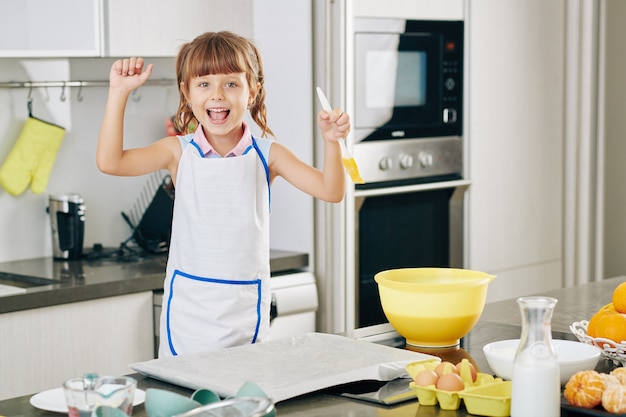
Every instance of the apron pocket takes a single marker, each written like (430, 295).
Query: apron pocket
(205, 314)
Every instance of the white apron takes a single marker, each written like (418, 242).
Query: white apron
(216, 290)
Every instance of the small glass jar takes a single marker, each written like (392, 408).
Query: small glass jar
(536, 384)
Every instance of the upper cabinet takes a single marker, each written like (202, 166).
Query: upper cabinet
(50, 28)
(158, 28)
(108, 28)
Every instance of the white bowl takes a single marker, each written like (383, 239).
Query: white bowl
(573, 357)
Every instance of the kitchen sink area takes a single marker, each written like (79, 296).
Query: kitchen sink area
(16, 284)
(24, 281)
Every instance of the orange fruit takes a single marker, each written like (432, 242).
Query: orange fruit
(619, 298)
(613, 327)
(584, 389)
(614, 399)
(592, 327)
(620, 374)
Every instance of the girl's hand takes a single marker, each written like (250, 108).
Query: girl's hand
(334, 126)
(129, 74)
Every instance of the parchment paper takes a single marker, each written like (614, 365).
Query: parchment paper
(284, 368)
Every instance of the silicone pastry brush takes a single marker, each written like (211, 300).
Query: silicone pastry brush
(348, 161)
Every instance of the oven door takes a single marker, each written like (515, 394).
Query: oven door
(403, 227)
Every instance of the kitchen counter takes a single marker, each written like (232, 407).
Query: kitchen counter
(42, 282)
(499, 321)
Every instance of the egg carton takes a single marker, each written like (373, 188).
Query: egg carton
(487, 396)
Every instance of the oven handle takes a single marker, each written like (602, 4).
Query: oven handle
(413, 188)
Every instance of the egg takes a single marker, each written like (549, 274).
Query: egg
(466, 370)
(450, 382)
(426, 377)
(445, 367)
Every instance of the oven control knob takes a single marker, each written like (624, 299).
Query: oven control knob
(426, 159)
(385, 164)
(406, 161)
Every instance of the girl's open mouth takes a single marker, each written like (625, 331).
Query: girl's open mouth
(218, 115)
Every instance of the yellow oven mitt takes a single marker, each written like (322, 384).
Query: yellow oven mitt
(32, 157)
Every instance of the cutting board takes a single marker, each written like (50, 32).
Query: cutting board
(284, 368)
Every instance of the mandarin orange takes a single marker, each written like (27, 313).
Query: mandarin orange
(614, 399)
(584, 389)
(592, 327)
(620, 374)
(613, 327)
(619, 298)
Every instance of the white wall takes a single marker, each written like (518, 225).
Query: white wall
(283, 34)
(23, 219)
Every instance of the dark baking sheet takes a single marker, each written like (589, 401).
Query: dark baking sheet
(568, 410)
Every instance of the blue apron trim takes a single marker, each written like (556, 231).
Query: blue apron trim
(267, 171)
(257, 282)
(197, 147)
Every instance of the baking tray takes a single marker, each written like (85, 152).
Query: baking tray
(284, 368)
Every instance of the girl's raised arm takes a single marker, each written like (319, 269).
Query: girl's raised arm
(125, 76)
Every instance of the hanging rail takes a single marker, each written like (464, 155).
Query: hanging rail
(40, 84)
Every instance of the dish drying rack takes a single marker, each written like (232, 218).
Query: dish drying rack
(150, 217)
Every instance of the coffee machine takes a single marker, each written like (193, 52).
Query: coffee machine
(67, 220)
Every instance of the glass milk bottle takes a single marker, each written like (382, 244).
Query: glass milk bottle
(536, 386)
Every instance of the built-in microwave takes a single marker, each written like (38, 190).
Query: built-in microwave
(408, 78)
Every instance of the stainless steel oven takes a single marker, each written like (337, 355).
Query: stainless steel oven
(404, 90)
(406, 226)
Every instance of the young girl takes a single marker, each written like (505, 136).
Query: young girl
(216, 289)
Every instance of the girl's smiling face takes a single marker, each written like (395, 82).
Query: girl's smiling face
(219, 102)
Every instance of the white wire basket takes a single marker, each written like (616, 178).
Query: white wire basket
(611, 350)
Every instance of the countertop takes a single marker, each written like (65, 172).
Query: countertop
(499, 321)
(47, 282)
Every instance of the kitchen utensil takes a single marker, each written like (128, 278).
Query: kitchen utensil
(205, 396)
(348, 161)
(573, 356)
(67, 220)
(432, 307)
(234, 407)
(162, 403)
(83, 395)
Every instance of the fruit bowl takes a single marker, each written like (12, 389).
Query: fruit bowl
(611, 350)
(432, 307)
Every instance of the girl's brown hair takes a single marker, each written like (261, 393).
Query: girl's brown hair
(220, 53)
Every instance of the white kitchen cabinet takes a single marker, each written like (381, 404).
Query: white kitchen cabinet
(516, 141)
(158, 28)
(50, 28)
(95, 28)
(40, 348)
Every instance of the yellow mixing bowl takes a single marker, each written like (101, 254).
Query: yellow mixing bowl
(432, 307)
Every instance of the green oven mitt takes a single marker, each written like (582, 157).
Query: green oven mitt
(32, 157)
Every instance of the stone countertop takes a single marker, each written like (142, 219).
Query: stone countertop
(330, 402)
(46, 282)
(574, 304)
(499, 321)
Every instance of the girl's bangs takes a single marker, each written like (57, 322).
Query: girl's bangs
(215, 58)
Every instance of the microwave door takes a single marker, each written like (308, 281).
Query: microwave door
(396, 82)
